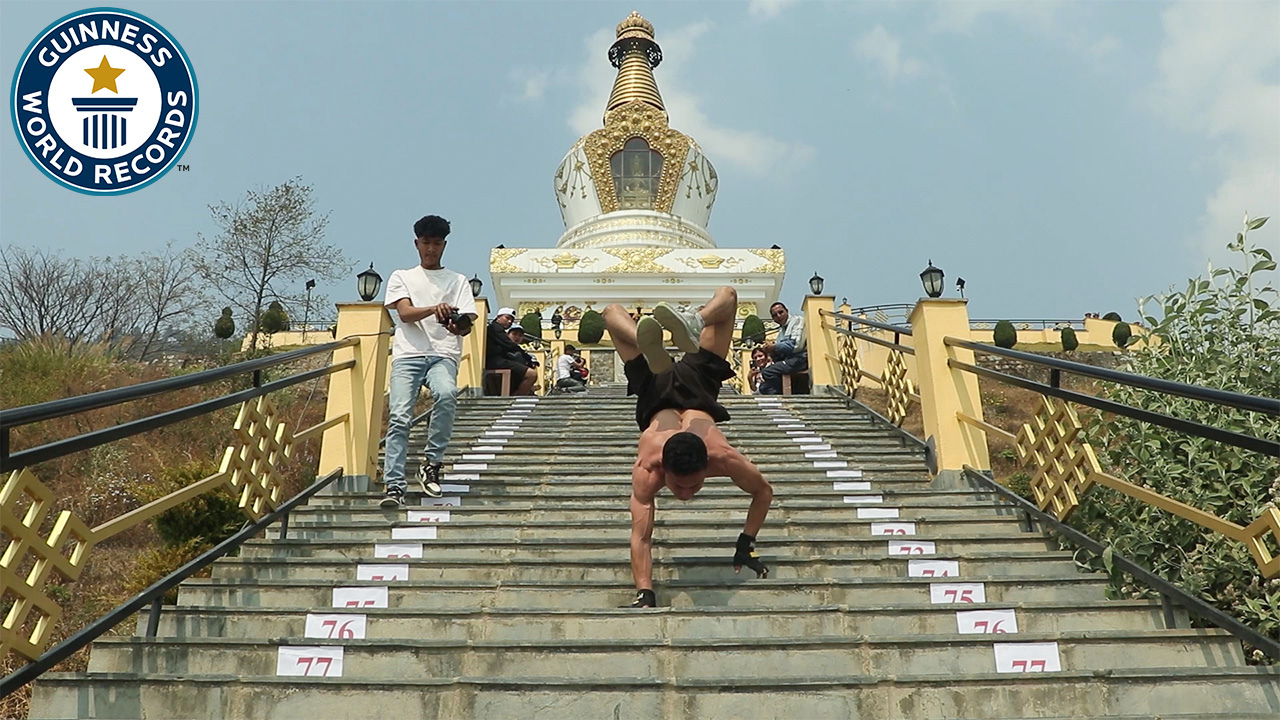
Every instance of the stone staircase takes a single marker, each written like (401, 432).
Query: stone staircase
(887, 599)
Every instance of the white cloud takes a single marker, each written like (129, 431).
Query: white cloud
(531, 84)
(1219, 75)
(884, 51)
(767, 9)
(753, 152)
(960, 16)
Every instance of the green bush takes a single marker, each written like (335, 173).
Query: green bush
(1223, 332)
(753, 330)
(532, 324)
(590, 327)
(1069, 340)
(205, 520)
(274, 320)
(224, 327)
(1120, 334)
(1113, 316)
(1005, 335)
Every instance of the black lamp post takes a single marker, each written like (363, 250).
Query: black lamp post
(556, 320)
(815, 284)
(368, 283)
(476, 285)
(960, 286)
(932, 277)
(306, 313)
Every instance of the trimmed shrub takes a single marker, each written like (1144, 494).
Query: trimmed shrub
(753, 330)
(1115, 316)
(1120, 334)
(274, 320)
(1005, 335)
(1069, 340)
(224, 327)
(532, 324)
(590, 327)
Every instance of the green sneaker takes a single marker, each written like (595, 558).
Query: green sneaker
(685, 327)
(649, 338)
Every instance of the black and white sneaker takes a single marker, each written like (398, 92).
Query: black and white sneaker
(429, 474)
(394, 499)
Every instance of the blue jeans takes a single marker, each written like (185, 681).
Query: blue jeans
(771, 383)
(408, 374)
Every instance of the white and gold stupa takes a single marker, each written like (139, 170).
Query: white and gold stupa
(635, 196)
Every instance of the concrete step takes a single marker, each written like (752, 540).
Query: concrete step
(1246, 693)
(658, 624)
(704, 568)
(731, 591)
(793, 658)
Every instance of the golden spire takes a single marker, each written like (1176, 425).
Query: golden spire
(635, 54)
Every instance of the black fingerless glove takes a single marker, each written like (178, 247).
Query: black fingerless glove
(644, 599)
(746, 555)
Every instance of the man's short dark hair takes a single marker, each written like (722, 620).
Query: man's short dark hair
(684, 454)
(431, 226)
(784, 307)
(569, 349)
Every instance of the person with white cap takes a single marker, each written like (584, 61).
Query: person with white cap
(501, 353)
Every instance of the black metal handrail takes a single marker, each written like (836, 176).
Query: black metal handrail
(1252, 403)
(154, 594)
(899, 329)
(105, 398)
(1169, 593)
(905, 349)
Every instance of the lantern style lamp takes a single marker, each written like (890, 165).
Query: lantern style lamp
(815, 284)
(368, 283)
(476, 285)
(556, 320)
(932, 277)
(960, 286)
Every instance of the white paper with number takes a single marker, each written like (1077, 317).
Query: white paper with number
(805, 439)
(383, 573)
(850, 485)
(374, 597)
(912, 547)
(471, 467)
(870, 513)
(987, 622)
(893, 528)
(463, 476)
(844, 473)
(479, 456)
(446, 501)
(424, 532)
(429, 516)
(498, 433)
(493, 440)
(1027, 657)
(801, 432)
(783, 419)
(513, 422)
(517, 411)
(336, 627)
(451, 488)
(821, 454)
(949, 593)
(769, 403)
(815, 447)
(933, 568)
(397, 550)
(792, 426)
(526, 400)
(863, 499)
(299, 661)
(830, 463)
(486, 449)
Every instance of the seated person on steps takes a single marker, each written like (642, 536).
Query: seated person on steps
(501, 353)
(677, 410)
(566, 365)
(789, 353)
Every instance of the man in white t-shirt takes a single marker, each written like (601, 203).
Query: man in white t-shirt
(564, 371)
(435, 308)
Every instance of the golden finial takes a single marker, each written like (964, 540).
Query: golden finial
(635, 26)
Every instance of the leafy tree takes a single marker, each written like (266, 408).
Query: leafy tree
(274, 320)
(1112, 316)
(1121, 334)
(1069, 340)
(532, 324)
(1005, 335)
(224, 327)
(1222, 331)
(752, 330)
(591, 327)
(267, 244)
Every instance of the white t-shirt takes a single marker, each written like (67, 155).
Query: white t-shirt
(427, 337)
(563, 365)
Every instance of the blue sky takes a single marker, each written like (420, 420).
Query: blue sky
(1062, 157)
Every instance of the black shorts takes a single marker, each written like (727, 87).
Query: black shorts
(517, 369)
(691, 384)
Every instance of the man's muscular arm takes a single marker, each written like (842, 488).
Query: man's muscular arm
(642, 494)
(747, 476)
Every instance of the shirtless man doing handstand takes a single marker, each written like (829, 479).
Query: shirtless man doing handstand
(677, 409)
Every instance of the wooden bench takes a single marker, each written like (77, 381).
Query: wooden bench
(802, 386)
(503, 376)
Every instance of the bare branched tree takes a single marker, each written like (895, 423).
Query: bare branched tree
(268, 244)
(46, 294)
(171, 294)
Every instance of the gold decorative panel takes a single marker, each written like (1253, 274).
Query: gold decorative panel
(62, 553)
(897, 386)
(637, 260)
(775, 261)
(500, 260)
(1062, 468)
(264, 443)
(850, 368)
(1268, 523)
(636, 119)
